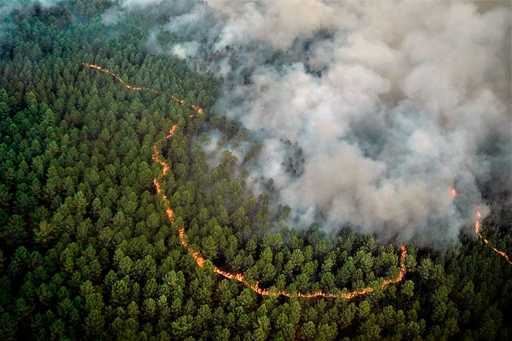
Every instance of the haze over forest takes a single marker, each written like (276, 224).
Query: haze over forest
(366, 112)
(265, 169)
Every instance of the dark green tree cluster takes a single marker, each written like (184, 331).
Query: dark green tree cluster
(85, 248)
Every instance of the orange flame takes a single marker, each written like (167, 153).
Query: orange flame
(195, 108)
(477, 227)
(171, 131)
(113, 75)
(255, 286)
(452, 192)
(198, 257)
(478, 231)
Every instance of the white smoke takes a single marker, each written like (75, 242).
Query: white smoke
(139, 3)
(391, 102)
(185, 50)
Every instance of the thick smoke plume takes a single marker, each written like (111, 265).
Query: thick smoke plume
(389, 103)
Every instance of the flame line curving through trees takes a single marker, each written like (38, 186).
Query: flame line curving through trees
(236, 276)
(477, 228)
(240, 277)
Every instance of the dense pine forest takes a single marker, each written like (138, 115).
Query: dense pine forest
(86, 251)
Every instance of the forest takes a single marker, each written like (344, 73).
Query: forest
(86, 248)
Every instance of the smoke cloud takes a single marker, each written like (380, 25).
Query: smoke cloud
(388, 102)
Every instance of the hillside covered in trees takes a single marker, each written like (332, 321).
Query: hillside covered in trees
(86, 250)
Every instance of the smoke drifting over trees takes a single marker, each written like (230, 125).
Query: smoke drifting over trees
(125, 217)
(390, 102)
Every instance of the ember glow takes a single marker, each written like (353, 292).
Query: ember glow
(477, 227)
(199, 258)
(379, 99)
(255, 286)
(240, 277)
(453, 192)
(478, 231)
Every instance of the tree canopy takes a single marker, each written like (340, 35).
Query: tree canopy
(86, 251)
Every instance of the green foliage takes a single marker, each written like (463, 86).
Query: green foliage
(85, 248)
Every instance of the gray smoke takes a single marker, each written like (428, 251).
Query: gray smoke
(7, 7)
(389, 102)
